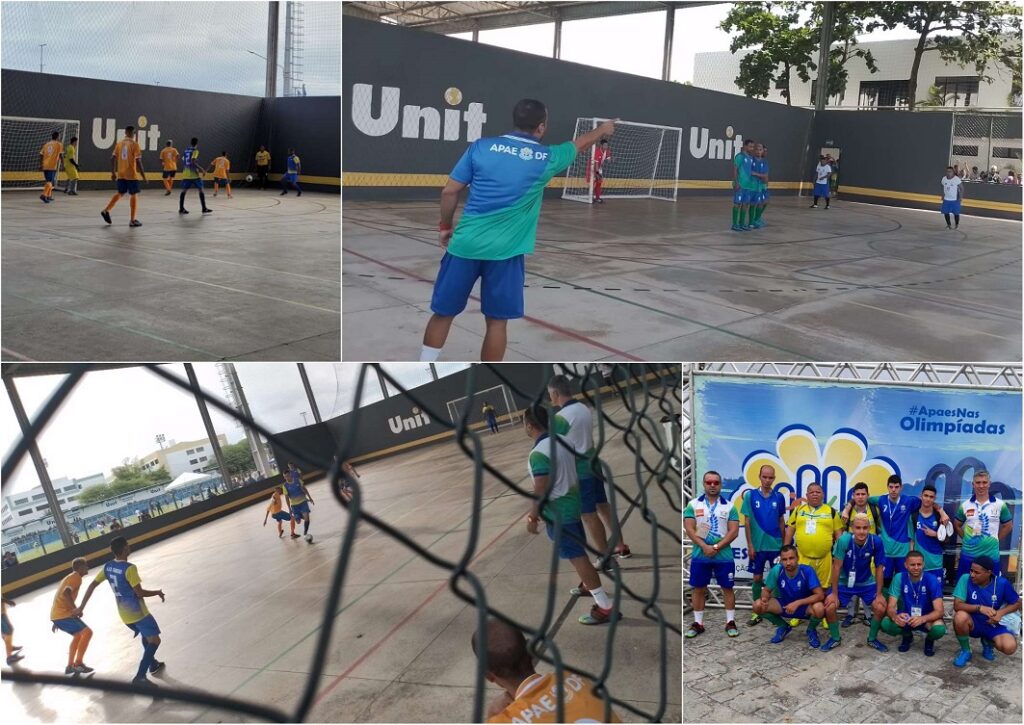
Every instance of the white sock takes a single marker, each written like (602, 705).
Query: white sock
(730, 615)
(430, 354)
(698, 617)
(601, 599)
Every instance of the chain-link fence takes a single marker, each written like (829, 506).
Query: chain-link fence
(633, 404)
(986, 147)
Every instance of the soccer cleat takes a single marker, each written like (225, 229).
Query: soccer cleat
(905, 643)
(694, 630)
(957, 226)
(15, 658)
(183, 211)
(599, 201)
(43, 197)
(135, 223)
(812, 638)
(84, 669)
(296, 536)
(167, 193)
(622, 551)
(730, 629)
(781, 633)
(814, 206)
(207, 211)
(831, 644)
(598, 616)
(754, 619)
(847, 621)
(17, 648)
(144, 683)
(929, 647)
(71, 671)
(962, 658)
(877, 645)
(608, 566)
(283, 193)
(298, 194)
(106, 216)
(827, 208)
(744, 227)
(156, 667)
(580, 591)
(987, 650)
(948, 226)
(736, 228)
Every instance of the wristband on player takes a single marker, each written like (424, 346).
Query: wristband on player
(442, 227)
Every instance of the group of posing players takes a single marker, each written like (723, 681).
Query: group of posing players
(126, 171)
(886, 550)
(749, 186)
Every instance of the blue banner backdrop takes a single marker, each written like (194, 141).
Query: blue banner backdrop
(838, 434)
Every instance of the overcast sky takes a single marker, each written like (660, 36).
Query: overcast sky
(198, 45)
(116, 414)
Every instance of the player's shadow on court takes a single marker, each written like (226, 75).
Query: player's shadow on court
(31, 697)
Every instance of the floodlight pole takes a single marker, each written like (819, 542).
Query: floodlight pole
(40, 464)
(827, 19)
(670, 30)
(211, 432)
(271, 87)
(309, 393)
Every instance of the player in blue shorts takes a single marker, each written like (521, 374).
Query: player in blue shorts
(192, 176)
(131, 605)
(7, 629)
(952, 193)
(298, 498)
(915, 603)
(498, 228)
(765, 511)
(858, 568)
(291, 177)
(712, 524)
(760, 173)
(822, 174)
(67, 617)
(896, 510)
(744, 186)
(980, 601)
(797, 595)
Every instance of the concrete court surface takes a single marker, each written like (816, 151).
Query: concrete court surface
(655, 280)
(748, 679)
(243, 608)
(255, 280)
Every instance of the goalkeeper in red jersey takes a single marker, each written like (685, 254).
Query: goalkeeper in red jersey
(602, 156)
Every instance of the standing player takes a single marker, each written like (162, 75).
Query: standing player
(858, 569)
(292, 177)
(765, 510)
(859, 504)
(131, 605)
(298, 499)
(822, 172)
(556, 470)
(49, 161)
(262, 166)
(797, 595)
(222, 173)
(760, 173)
(66, 616)
(192, 175)
(602, 156)
(980, 600)
(980, 522)
(7, 630)
(915, 603)
(71, 166)
(814, 528)
(929, 533)
(952, 193)
(125, 169)
(712, 524)
(743, 185)
(169, 160)
(896, 509)
(274, 509)
(490, 417)
(498, 227)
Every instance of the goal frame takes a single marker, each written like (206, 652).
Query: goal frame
(68, 133)
(588, 198)
(506, 396)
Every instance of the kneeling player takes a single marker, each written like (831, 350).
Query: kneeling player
(915, 603)
(980, 600)
(797, 595)
(858, 570)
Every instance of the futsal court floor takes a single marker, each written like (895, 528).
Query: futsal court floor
(255, 280)
(651, 280)
(244, 608)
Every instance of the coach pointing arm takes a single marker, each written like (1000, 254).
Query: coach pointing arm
(587, 140)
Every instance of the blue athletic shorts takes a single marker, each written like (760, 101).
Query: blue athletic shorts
(983, 629)
(501, 286)
(866, 592)
(5, 626)
(756, 567)
(127, 186)
(894, 565)
(281, 516)
(950, 207)
(801, 612)
(300, 510)
(702, 569)
(964, 567)
(571, 545)
(169, 174)
(50, 176)
(293, 178)
(71, 625)
(189, 183)
(221, 181)
(743, 196)
(765, 196)
(146, 626)
(822, 190)
(591, 493)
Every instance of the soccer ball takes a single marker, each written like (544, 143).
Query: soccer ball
(309, 538)
(249, 178)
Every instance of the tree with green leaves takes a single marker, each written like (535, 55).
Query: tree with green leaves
(129, 476)
(238, 457)
(981, 30)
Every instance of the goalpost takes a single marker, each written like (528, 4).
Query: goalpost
(21, 138)
(644, 163)
(497, 395)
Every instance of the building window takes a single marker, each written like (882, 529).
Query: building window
(884, 94)
(958, 91)
(26, 512)
(832, 100)
(39, 496)
(1005, 152)
(45, 507)
(959, 150)
(199, 448)
(193, 461)
(20, 501)
(190, 451)
(202, 458)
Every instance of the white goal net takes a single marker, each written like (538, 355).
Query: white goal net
(500, 398)
(21, 139)
(640, 161)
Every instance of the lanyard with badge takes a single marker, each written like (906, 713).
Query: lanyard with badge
(810, 522)
(890, 509)
(851, 577)
(704, 527)
(916, 608)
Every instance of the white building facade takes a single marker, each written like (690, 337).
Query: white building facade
(30, 505)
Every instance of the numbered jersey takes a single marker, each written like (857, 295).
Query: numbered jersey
(123, 577)
(915, 597)
(859, 561)
(788, 589)
(127, 152)
(536, 702)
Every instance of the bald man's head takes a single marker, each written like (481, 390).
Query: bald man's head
(507, 656)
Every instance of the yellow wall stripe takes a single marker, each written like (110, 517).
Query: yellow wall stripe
(155, 177)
